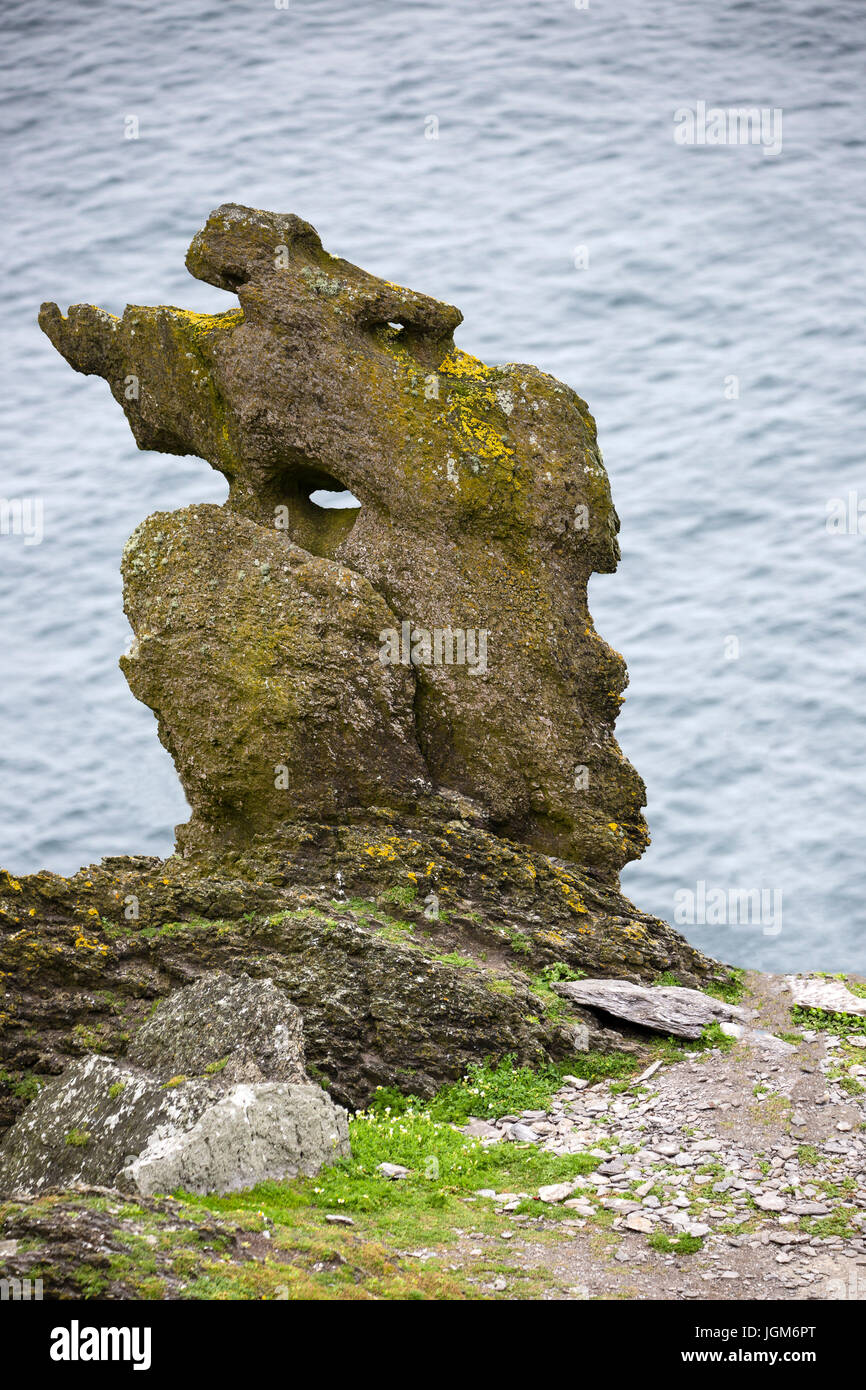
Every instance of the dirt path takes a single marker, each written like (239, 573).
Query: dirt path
(753, 1160)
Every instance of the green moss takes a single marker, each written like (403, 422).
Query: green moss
(77, 1138)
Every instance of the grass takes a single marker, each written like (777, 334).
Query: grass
(826, 1021)
(501, 1088)
(675, 1245)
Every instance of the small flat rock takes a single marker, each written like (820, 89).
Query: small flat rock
(825, 994)
(555, 1192)
(767, 1042)
(482, 1129)
(768, 1201)
(394, 1171)
(732, 1030)
(522, 1134)
(335, 1219)
(635, 1222)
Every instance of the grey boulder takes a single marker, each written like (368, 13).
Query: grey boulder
(247, 1028)
(150, 1124)
(268, 1131)
(83, 1125)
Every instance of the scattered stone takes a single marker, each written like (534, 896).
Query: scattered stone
(394, 1171)
(635, 1222)
(555, 1192)
(770, 1202)
(521, 1134)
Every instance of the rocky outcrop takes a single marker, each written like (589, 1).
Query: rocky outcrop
(117, 1125)
(485, 507)
(393, 721)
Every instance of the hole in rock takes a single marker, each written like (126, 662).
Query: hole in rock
(321, 497)
(320, 509)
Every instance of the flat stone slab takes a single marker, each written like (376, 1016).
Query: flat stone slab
(832, 995)
(666, 1009)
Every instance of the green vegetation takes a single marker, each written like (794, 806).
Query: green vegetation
(77, 1138)
(675, 1245)
(27, 1087)
(825, 1021)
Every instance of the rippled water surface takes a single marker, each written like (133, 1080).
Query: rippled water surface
(555, 132)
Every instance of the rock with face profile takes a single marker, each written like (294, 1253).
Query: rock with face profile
(484, 508)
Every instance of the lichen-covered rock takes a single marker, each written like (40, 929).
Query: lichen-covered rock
(154, 1130)
(85, 1125)
(267, 1132)
(485, 508)
(412, 946)
(238, 1028)
(260, 661)
(393, 721)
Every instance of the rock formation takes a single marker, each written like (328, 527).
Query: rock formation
(485, 507)
(213, 1098)
(393, 722)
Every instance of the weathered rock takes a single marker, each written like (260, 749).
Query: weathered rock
(260, 662)
(393, 993)
(667, 1008)
(394, 724)
(833, 995)
(485, 508)
(85, 1124)
(268, 1131)
(118, 1125)
(555, 1192)
(237, 1029)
